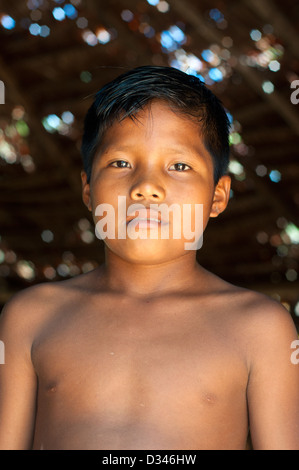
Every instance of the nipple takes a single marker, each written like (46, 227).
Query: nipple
(52, 387)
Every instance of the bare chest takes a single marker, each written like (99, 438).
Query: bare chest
(117, 363)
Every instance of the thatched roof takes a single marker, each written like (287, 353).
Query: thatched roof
(55, 55)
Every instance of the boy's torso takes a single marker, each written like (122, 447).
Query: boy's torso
(119, 373)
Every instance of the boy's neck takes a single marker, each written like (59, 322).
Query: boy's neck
(143, 281)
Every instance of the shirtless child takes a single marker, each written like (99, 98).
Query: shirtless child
(149, 351)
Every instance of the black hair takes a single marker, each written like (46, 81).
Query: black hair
(132, 91)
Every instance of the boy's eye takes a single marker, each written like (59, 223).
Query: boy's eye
(180, 166)
(119, 164)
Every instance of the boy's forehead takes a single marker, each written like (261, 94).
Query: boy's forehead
(157, 119)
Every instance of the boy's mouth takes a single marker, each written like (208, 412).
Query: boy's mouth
(146, 218)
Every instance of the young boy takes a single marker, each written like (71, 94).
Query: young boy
(149, 351)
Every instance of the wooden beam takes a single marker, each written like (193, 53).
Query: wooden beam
(272, 153)
(270, 13)
(37, 197)
(253, 78)
(264, 134)
(47, 145)
(33, 181)
(251, 112)
(137, 52)
(268, 191)
(288, 291)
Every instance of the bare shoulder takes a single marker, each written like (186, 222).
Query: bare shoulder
(27, 301)
(271, 329)
(262, 314)
(264, 324)
(260, 325)
(25, 310)
(258, 315)
(33, 305)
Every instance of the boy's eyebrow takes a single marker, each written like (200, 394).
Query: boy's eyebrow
(113, 148)
(181, 149)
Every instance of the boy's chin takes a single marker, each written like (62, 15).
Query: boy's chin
(147, 252)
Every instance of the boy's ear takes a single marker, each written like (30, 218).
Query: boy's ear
(86, 191)
(221, 196)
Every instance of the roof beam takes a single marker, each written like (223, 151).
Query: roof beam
(269, 12)
(47, 146)
(254, 79)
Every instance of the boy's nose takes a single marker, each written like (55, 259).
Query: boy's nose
(147, 189)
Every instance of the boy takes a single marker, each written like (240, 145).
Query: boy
(149, 351)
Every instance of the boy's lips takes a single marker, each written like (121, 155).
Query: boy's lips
(146, 215)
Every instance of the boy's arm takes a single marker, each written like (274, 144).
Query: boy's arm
(18, 382)
(273, 387)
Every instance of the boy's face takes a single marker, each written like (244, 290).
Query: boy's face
(160, 158)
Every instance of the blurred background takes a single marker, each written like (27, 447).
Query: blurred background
(56, 54)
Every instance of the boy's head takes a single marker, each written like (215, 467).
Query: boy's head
(132, 91)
